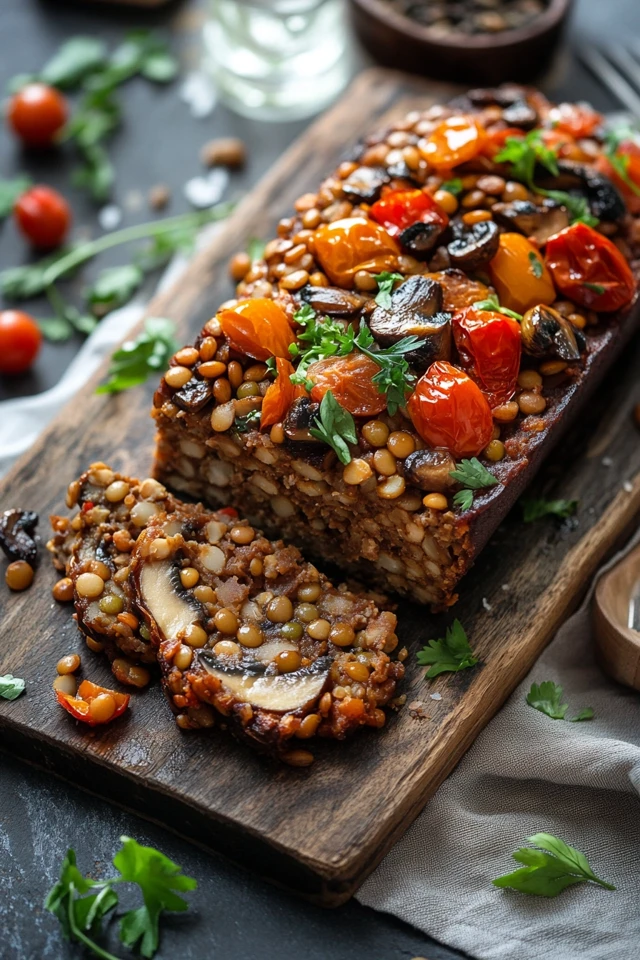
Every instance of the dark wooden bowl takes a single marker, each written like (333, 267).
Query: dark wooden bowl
(521, 54)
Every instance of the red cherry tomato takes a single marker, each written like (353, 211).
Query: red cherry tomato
(36, 114)
(350, 379)
(399, 209)
(489, 346)
(356, 243)
(496, 139)
(81, 706)
(20, 340)
(43, 216)
(258, 327)
(455, 140)
(628, 155)
(578, 119)
(589, 269)
(449, 410)
(280, 394)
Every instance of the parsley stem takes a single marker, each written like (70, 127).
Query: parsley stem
(81, 935)
(56, 301)
(140, 231)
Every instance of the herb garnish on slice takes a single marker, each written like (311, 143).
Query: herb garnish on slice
(549, 870)
(11, 687)
(395, 378)
(534, 509)
(248, 422)
(386, 282)
(473, 476)
(536, 264)
(448, 655)
(620, 161)
(336, 427)
(453, 186)
(546, 697)
(492, 303)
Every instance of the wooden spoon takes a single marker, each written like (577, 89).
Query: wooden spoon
(616, 620)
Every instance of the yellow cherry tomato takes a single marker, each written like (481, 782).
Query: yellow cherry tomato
(455, 140)
(519, 274)
(346, 246)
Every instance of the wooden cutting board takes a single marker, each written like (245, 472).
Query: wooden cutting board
(321, 830)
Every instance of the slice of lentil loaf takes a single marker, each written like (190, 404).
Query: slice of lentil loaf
(410, 237)
(246, 628)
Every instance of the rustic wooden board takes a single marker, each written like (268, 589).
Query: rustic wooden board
(319, 831)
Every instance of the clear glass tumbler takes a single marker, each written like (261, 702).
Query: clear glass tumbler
(277, 59)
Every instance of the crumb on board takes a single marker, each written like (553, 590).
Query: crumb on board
(487, 606)
(417, 709)
(159, 196)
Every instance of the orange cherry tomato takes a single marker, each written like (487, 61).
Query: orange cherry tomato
(346, 246)
(43, 216)
(458, 290)
(36, 114)
(449, 410)
(20, 341)
(399, 209)
(629, 155)
(589, 269)
(489, 346)
(350, 380)
(258, 328)
(80, 706)
(454, 141)
(519, 274)
(577, 119)
(280, 394)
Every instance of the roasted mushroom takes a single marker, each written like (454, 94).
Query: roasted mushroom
(416, 310)
(474, 246)
(603, 198)
(546, 333)
(430, 469)
(18, 537)
(537, 221)
(301, 416)
(160, 590)
(194, 395)
(420, 238)
(365, 184)
(250, 682)
(334, 300)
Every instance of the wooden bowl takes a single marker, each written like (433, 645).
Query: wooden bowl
(517, 55)
(618, 645)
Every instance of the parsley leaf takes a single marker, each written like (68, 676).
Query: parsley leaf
(453, 186)
(534, 509)
(577, 206)
(74, 61)
(336, 427)
(386, 282)
(448, 655)
(492, 303)
(620, 161)
(10, 190)
(321, 337)
(30, 280)
(394, 378)
(11, 687)
(473, 476)
(248, 422)
(55, 329)
(114, 287)
(255, 250)
(524, 153)
(138, 359)
(158, 878)
(549, 870)
(536, 264)
(546, 697)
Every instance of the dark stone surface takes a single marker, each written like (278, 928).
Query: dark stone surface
(233, 914)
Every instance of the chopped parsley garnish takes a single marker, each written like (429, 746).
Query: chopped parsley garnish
(546, 697)
(594, 287)
(492, 303)
(549, 870)
(620, 161)
(395, 378)
(453, 186)
(448, 655)
(248, 422)
(577, 206)
(11, 687)
(386, 282)
(536, 265)
(534, 509)
(473, 476)
(335, 426)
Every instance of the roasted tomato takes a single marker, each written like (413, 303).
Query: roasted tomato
(257, 327)
(519, 274)
(399, 209)
(43, 216)
(489, 346)
(350, 380)
(346, 246)
(496, 139)
(449, 410)
(280, 394)
(20, 341)
(628, 157)
(36, 114)
(458, 290)
(454, 141)
(577, 119)
(93, 704)
(589, 269)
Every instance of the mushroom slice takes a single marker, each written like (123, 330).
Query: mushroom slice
(546, 333)
(333, 300)
(430, 469)
(539, 222)
(365, 183)
(280, 693)
(300, 418)
(161, 594)
(603, 198)
(18, 537)
(474, 247)
(416, 310)
(420, 238)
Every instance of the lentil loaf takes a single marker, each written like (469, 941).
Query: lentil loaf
(418, 335)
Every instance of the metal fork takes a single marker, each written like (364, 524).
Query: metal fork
(618, 68)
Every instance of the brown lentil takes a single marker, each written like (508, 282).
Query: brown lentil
(176, 377)
(292, 630)
(357, 671)
(531, 402)
(68, 664)
(342, 634)
(435, 501)
(129, 620)
(189, 576)
(506, 412)
(298, 758)
(319, 629)
(183, 657)
(550, 367)
(226, 621)
(514, 191)
(19, 575)
(392, 487)
(401, 444)
(495, 450)
(448, 201)
(475, 216)
(212, 369)
(130, 673)
(528, 379)
(67, 684)
(94, 645)
(384, 463)
(308, 726)
(250, 635)
(309, 592)
(204, 594)
(356, 472)
(239, 266)
(89, 585)
(102, 708)
(288, 661)
(279, 610)
(63, 590)
(226, 648)
(376, 433)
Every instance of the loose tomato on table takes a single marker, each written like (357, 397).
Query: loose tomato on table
(449, 410)
(627, 162)
(36, 114)
(257, 327)
(519, 274)
(589, 269)
(20, 341)
(93, 704)
(346, 246)
(489, 346)
(350, 380)
(454, 141)
(43, 216)
(399, 209)
(280, 394)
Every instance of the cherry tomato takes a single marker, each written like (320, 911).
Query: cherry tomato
(350, 379)
(489, 346)
(577, 119)
(399, 209)
(519, 274)
(454, 141)
(497, 138)
(589, 269)
(258, 328)
(449, 410)
(81, 708)
(346, 246)
(36, 114)
(280, 394)
(43, 216)
(20, 340)
(458, 290)
(628, 154)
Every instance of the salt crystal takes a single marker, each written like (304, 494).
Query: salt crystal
(486, 605)
(627, 486)
(204, 191)
(436, 696)
(607, 462)
(199, 93)
(110, 217)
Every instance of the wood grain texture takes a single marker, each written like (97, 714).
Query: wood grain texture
(318, 831)
(617, 643)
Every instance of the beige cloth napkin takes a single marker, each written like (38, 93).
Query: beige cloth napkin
(527, 774)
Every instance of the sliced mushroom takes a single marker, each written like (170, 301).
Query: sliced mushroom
(333, 300)
(539, 222)
(281, 693)
(301, 416)
(546, 333)
(516, 109)
(365, 183)
(18, 537)
(474, 247)
(160, 591)
(416, 310)
(603, 198)
(519, 113)
(430, 469)
(420, 238)
(194, 395)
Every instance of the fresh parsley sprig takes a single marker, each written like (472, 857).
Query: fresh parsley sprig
(473, 476)
(534, 509)
(321, 337)
(547, 696)
(395, 378)
(550, 869)
(336, 427)
(138, 359)
(386, 282)
(11, 687)
(248, 422)
(620, 161)
(492, 303)
(449, 654)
